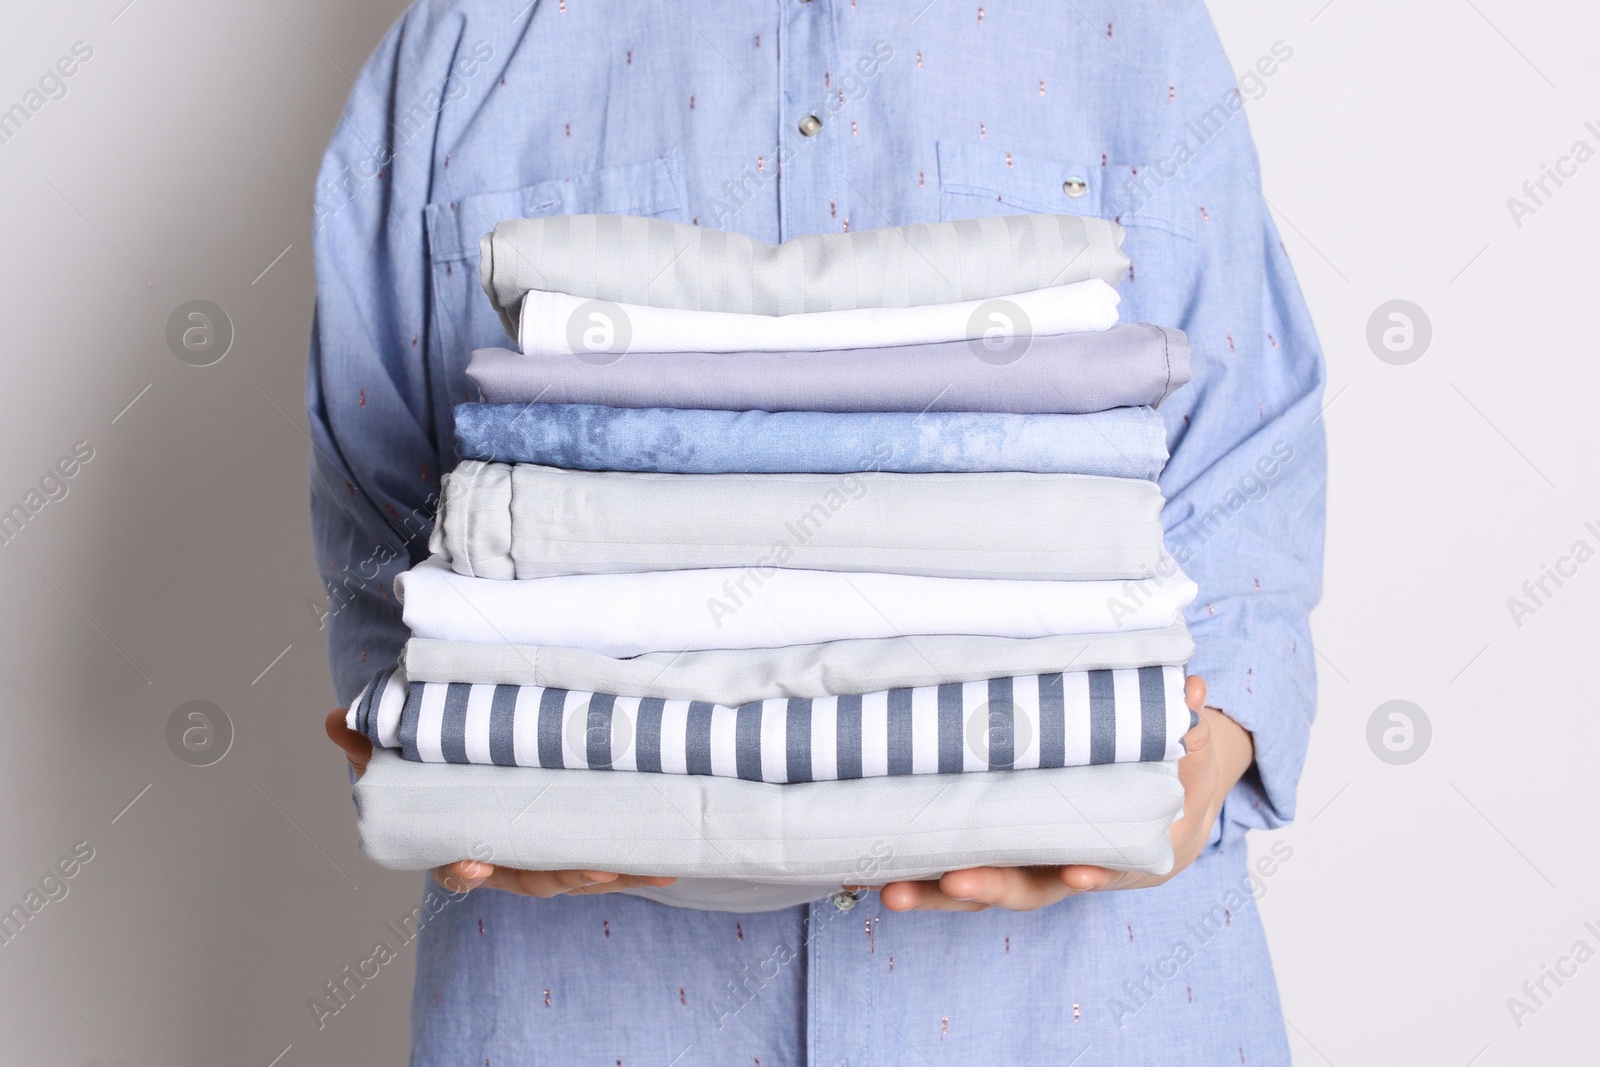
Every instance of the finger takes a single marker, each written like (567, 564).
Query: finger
(923, 896)
(1194, 692)
(1087, 879)
(542, 884)
(547, 884)
(586, 882)
(1081, 878)
(623, 881)
(901, 896)
(357, 747)
(567, 881)
(1012, 888)
(463, 876)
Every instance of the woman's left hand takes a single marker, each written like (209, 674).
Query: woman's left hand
(1219, 752)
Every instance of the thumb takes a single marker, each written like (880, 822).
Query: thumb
(1197, 770)
(357, 747)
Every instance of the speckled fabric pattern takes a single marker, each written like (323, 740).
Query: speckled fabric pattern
(1121, 443)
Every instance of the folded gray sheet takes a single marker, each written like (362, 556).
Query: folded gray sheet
(1068, 373)
(658, 263)
(765, 846)
(741, 675)
(499, 520)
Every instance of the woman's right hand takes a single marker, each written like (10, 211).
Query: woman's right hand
(466, 875)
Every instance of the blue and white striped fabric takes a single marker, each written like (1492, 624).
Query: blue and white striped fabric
(1066, 719)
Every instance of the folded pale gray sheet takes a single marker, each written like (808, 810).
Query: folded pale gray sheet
(767, 846)
(500, 520)
(1068, 373)
(738, 676)
(657, 263)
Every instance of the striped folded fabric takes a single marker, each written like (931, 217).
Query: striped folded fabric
(1072, 719)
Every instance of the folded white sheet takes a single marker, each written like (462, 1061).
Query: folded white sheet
(558, 324)
(670, 611)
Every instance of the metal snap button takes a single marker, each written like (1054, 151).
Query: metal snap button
(810, 125)
(844, 900)
(1074, 187)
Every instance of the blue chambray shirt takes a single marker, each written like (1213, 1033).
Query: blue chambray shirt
(814, 116)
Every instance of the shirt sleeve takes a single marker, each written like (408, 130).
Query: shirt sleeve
(1246, 485)
(375, 461)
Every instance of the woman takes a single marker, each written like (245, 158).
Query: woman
(816, 116)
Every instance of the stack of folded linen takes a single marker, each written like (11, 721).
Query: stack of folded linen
(844, 556)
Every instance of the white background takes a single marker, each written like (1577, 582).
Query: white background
(1418, 899)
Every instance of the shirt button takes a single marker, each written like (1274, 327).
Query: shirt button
(844, 900)
(1074, 187)
(810, 125)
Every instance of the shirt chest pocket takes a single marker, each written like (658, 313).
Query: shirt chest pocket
(462, 318)
(978, 181)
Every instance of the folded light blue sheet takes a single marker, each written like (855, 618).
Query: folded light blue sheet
(1122, 443)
